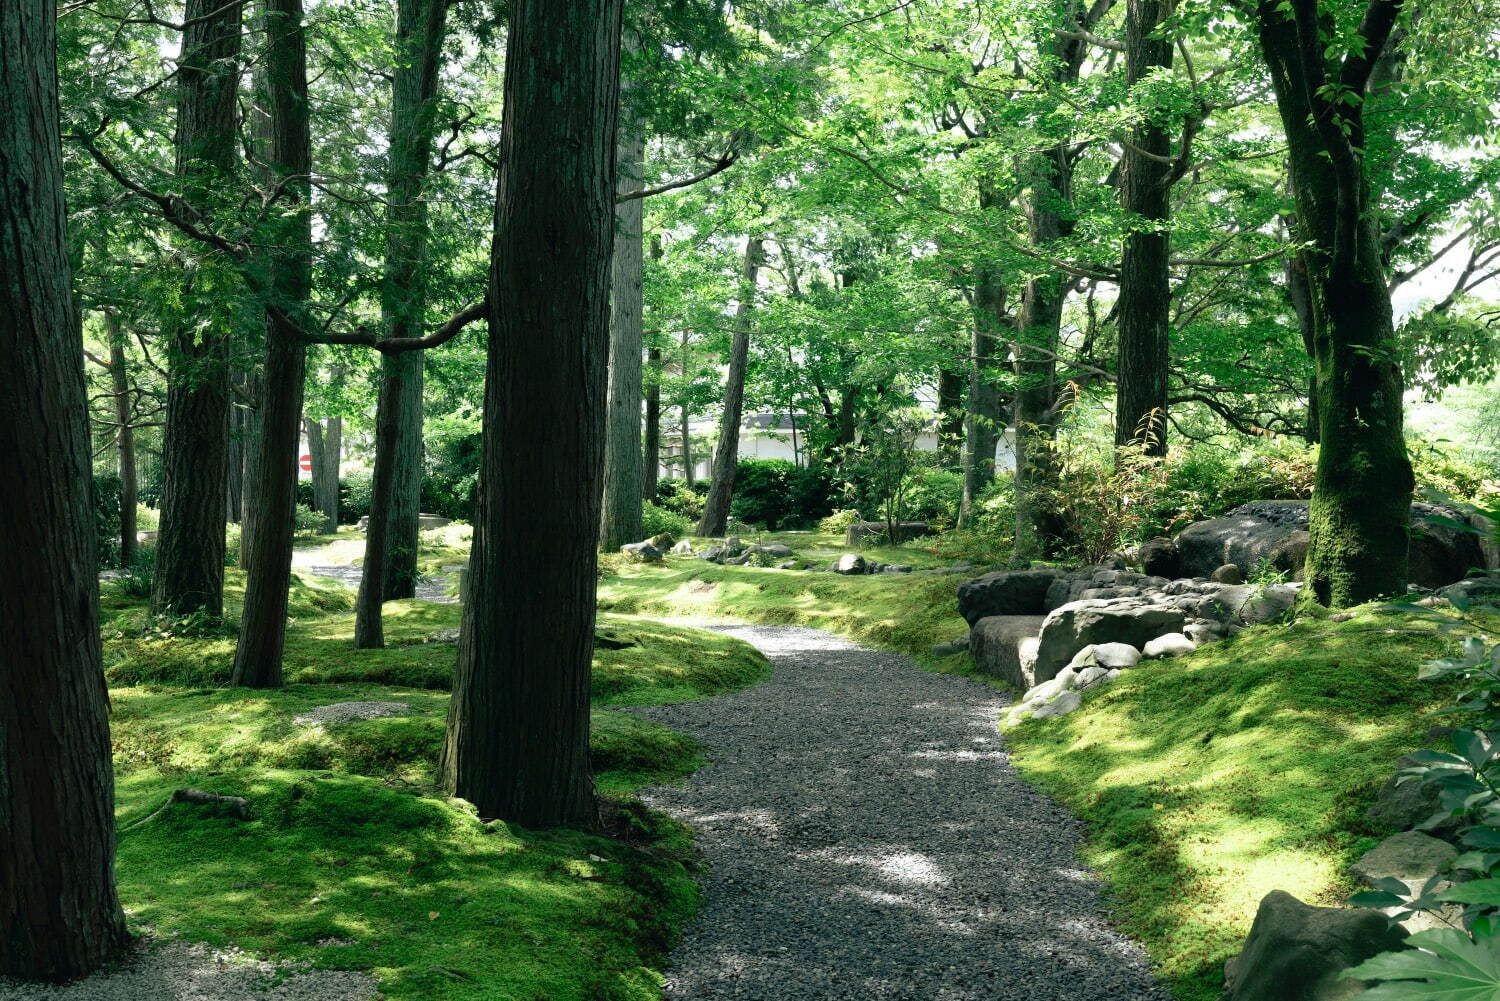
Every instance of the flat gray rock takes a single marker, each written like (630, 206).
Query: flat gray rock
(867, 840)
(337, 713)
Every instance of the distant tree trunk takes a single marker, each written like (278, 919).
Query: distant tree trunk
(983, 416)
(621, 522)
(59, 916)
(1300, 296)
(951, 385)
(1145, 298)
(236, 507)
(328, 486)
(651, 461)
(391, 534)
(726, 456)
(421, 26)
(249, 448)
(273, 491)
(130, 493)
(312, 430)
(517, 743)
(195, 443)
(1361, 505)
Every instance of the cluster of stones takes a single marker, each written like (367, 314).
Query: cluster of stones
(1055, 633)
(1296, 952)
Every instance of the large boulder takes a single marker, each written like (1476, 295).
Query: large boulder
(642, 552)
(1410, 856)
(426, 521)
(1296, 952)
(1077, 624)
(1160, 558)
(1006, 592)
(1277, 531)
(996, 643)
(863, 531)
(851, 564)
(1402, 806)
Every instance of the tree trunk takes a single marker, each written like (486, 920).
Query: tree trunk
(195, 444)
(621, 522)
(328, 487)
(1361, 504)
(1300, 296)
(421, 26)
(651, 461)
(125, 442)
(250, 424)
(1145, 299)
(235, 509)
(273, 492)
(517, 743)
(950, 416)
(59, 916)
(726, 456)
(312, 430)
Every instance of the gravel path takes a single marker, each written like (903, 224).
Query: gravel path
(179, 972)
(867, 839)
(315, 560)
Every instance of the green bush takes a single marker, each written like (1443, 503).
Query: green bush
(839, 521)
(812, 494)
(680, 496)
(308, 522)
(107, 518)
(1439, 469)
(450, 484)
(933, 496)
(137, 576)
(231, 545)
(354, 497)
(656, 520)
(762, 494)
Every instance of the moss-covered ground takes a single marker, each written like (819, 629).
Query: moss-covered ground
(350, 858)
(1208, 781)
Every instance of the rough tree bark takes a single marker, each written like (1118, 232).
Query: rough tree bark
(517, 743)
(273, 491)
(651, 460)
(1362, 491)
(396, 487)
(950, 387)
(391, 535)
(327, 487)
(621, 521)
(1145, 299)
(195, 443)
(130, 493)
(59, 915)
(726, 455)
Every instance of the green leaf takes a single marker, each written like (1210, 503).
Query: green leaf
(1480, 891)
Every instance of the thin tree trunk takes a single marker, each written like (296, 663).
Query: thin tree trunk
(687, 432)
(125, 441)
(950, 416)
(59, 915)
(1145, 298)
(250, 425)
(651, 461)
(312, 430)
(984, 414)
(236, 504)
(195, 443)
(273, 492)
(1361, 504)
(621, 522)
(726, 456)
(1299, 294)
(333, 457)
(421, 26)
(517, 743)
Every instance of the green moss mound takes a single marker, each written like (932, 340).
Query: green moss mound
(1208, 781)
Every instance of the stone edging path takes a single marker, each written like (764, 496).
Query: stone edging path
(868, 840)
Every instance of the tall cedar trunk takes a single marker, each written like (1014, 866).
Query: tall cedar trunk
(234, 510)
(517, 744)
(391, 535)
(195, 444)
(951, 385)
(312, 430)
(273, 491)
(687, 430)
(621, 521)
(726, 456)
(59, 916)
(983, 415)
(1300, 296)
(1362, 491)
(421, 26)
(1145, 300)
(250, 424)
(1049, 218)
(651, 460)
(130, 492)
(328, 485)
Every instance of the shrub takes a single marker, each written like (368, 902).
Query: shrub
(1438, 469)
(450, 485)
(308, 522)
(839, 521)
(656, 520)
(107, 518)
(354, 497)
(934, 495)
(231, 545)
(811, 494)
(681, 497)
(762, 494)
(137, 576)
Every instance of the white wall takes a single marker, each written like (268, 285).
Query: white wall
(764, 445)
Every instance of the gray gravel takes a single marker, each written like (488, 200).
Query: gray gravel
(868, 839)
(338, 713)
(429, 587)
(179, 972)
